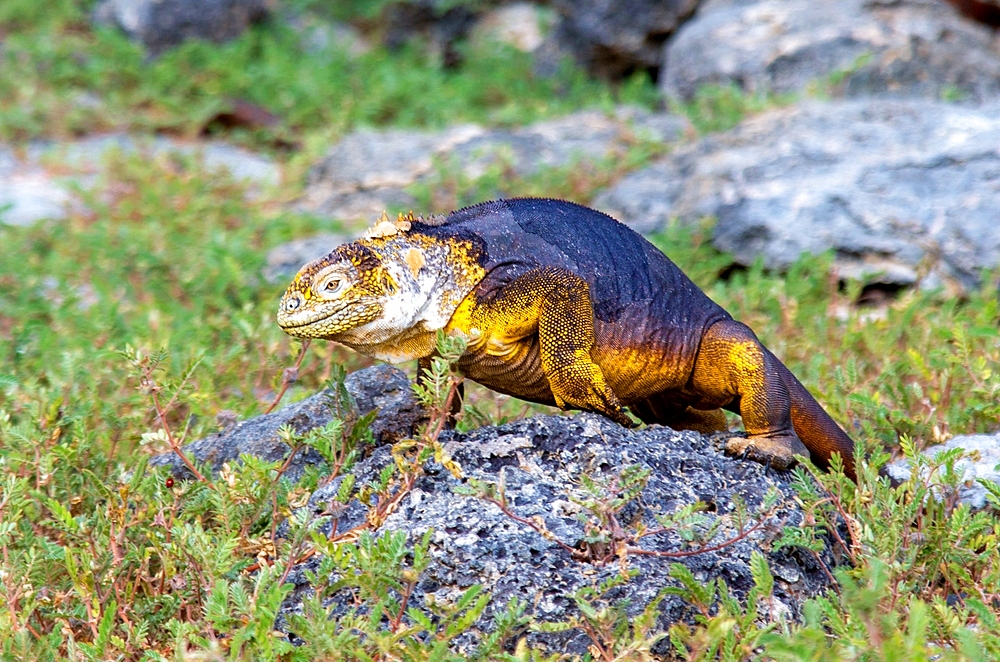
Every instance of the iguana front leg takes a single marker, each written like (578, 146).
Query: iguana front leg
(555, 304)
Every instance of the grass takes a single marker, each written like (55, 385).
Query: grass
(153, 287)
(721, 107)
(62, 78)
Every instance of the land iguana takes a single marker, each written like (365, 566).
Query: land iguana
(561, 305)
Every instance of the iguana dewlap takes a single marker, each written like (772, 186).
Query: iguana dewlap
(565, 306)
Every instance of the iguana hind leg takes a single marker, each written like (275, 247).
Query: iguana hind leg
(733, 368)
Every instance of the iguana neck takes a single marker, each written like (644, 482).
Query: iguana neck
(432, 276)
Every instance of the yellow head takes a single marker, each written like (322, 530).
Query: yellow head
(348, 288)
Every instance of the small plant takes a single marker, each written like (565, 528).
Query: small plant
(146, 367)
(439, 390)
(952, 93)
(727, 629)
(614, 635)
(367, 587)
(833, 83)
(338, 442)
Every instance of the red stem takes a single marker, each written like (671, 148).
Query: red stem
(285, 381)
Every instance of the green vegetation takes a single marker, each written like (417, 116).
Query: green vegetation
(721, 107)
(61, 78)
(133, 324)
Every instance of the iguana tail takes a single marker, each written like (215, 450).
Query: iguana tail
(821, 435)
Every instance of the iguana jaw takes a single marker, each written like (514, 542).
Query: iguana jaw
(326, 321)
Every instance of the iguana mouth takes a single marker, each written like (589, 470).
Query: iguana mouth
(287, 323)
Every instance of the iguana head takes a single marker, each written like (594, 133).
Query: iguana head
(385, 295)
(330, 296)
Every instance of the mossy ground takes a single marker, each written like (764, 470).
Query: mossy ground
(153, 287)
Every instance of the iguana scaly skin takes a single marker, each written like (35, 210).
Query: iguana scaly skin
(562, 305)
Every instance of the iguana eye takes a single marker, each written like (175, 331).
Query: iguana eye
(330, 286)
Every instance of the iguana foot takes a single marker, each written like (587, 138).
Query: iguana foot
(620, 417)
(583, 387)
(606, 404)
(778, 451)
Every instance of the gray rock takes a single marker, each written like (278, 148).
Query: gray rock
(242, 164)
(368, 171)
(518, 24)
(28, 197)
(588, 136)
(284, 261)
(873, 47)
(162, 24)
(614, 38)
(440, 23)
(902, 191)
(980, 461)
(381, 387)
(369, 160)
(653, 126)
(539, 461)
(318, 35)
(87, 154)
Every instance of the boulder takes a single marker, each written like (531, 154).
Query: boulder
(614, 38)
(895, 48)
(979, 461)
(318, 34)
(369, 171)
(381, 387)
(162, 24)
(540, 461)
(441, 22)
(87, 155)
(902, 191)
(27, 193)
